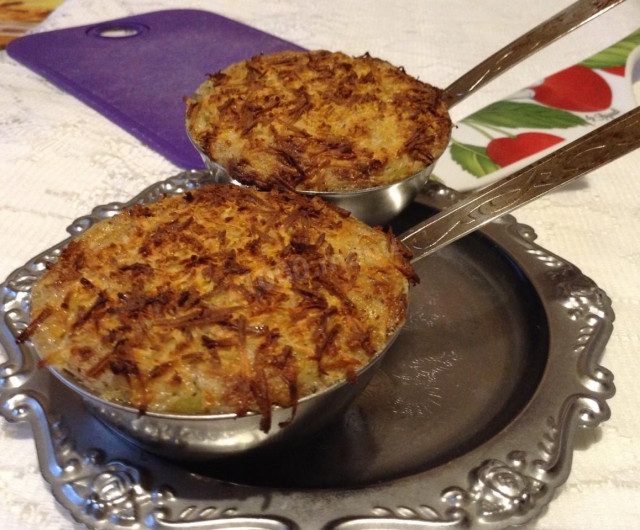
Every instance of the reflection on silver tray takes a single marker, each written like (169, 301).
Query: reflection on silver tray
(469, 422)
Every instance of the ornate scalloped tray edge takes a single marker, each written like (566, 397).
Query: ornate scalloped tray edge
(499, 484)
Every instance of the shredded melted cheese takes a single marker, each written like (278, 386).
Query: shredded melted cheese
(318, 121)
(223, 299)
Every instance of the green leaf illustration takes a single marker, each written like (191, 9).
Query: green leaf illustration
(615, 55)
(516, 115)
(473, 158)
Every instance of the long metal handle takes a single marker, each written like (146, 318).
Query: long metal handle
(557, 26)
(589, 152)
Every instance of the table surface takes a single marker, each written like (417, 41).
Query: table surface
(59, 158)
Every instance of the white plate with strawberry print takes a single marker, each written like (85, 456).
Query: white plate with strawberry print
(509, 134)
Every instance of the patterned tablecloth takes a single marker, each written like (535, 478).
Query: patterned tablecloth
(59, 158)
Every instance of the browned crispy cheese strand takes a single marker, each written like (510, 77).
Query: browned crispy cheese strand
(318, 121)
(223, 299)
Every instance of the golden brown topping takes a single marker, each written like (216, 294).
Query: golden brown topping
(241, 300)
(318, 121)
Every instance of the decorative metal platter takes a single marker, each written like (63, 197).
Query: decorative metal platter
(469, 422)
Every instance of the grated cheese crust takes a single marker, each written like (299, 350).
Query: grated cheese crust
(223, 299)
(318, 121)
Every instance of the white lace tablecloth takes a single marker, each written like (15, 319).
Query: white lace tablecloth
(59, 158)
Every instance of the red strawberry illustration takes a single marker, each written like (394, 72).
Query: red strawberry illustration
(577, 88)
(505, 151)
(617, 70)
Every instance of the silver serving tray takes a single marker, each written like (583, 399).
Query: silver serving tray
(469, 423)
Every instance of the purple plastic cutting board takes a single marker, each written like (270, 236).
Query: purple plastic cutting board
(139, 80)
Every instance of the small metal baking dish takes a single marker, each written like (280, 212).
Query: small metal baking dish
(202, 436)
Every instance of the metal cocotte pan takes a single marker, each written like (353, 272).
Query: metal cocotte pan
(381, 204)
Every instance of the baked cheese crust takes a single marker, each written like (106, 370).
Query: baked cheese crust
(318, 121)
(223, 299)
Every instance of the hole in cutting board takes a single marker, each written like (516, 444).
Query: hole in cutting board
(120, 31)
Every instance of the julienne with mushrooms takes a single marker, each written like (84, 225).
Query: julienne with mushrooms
(223, 299)
(318, 121)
